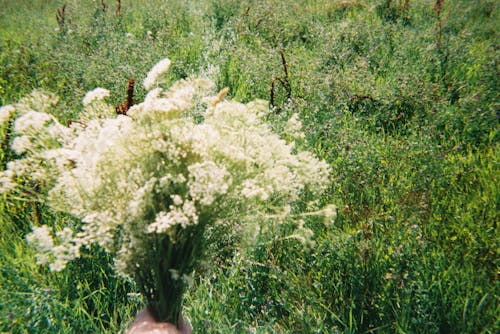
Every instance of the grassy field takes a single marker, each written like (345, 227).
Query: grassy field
(400, 97)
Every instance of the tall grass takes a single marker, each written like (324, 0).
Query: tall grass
(401, 101)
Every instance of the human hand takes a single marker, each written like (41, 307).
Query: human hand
(145, 323)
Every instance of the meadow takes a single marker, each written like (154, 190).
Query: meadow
(401, 98)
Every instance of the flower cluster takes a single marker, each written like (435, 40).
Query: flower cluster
(37, 133)
(184, 157)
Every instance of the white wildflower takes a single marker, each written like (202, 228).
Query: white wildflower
(5, 113)
(97, 94)
(21, 144)
(6, 182)
(66, 251)
(259, 107)
(42, 239)
(18, 167)
(251, 189)
(39, 101)
(32, 121)
(294, 127)
(58, 132)
(177, 200)
(207, 181)
(138, 201)
(135, 110)
(189, 209)
(58, 264)
(151, 97)
(189, 89)
(330, 211)
(165, 220)
(182, 216)
(155, 75)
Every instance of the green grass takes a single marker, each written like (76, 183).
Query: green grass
(402, 102)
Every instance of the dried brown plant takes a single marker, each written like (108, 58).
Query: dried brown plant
(123, 107)
(438, 9)
(104, 6)
(61, 16)
(285, 81)
(222, 94)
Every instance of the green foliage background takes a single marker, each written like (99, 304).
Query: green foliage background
(400, 97)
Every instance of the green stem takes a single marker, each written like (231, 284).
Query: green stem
(167, 302)
(181, 257)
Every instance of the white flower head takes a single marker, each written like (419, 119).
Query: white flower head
(330, 211)
(41, 238)
(32, 121)
(155, 75)
(37, 100)
(21, 144)
(6, 183)
(294, 127)
(177, 200)
(5, 113)
(182, 216)
(207, 181)
(97, 94)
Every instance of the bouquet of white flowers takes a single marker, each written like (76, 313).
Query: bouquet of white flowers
(146, 185)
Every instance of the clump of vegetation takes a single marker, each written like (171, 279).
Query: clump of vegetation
(184, 161)
(399, 97)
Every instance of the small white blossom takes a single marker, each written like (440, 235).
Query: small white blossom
(165, 220)
(38, 101)
(207, 181)
(42, 238)
(294, 127)
(32, 121)
(155, 75)
(251, 189)
(330, 211)
(95, 95)
(6, 183)
(5, 113)
(177, 200)
(21, 144)
(182, 216)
